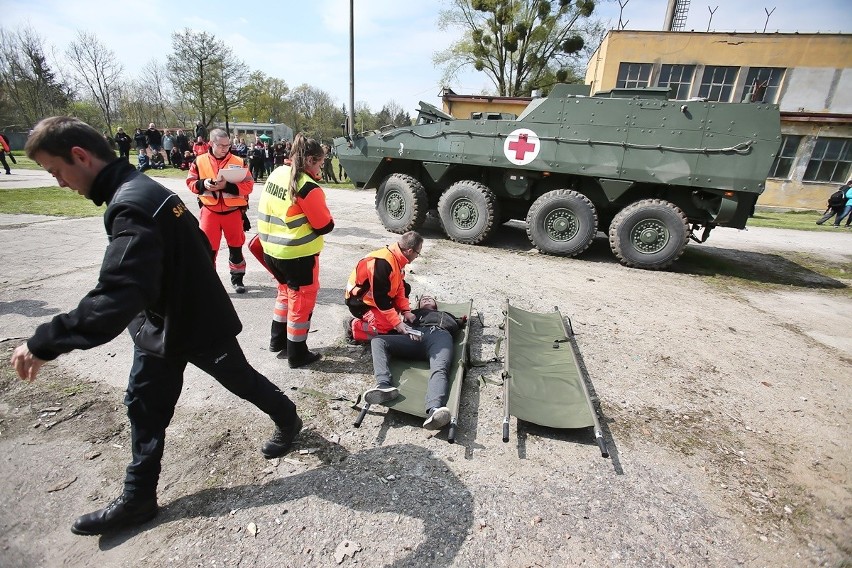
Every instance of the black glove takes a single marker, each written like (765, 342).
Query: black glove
(246, 222)
(230, 189)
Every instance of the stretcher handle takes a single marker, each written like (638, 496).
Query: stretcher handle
(601, 444)
(361, 416)
(451, 433)
(506, 429)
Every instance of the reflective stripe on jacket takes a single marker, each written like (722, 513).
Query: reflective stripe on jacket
(288, 229)
(208, 168)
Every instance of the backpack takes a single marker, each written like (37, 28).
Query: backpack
(838, 198)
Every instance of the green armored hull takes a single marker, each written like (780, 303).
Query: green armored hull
(649, 171)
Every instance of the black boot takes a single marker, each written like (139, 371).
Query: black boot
(278, 342)
(237, 282)
(281, 440)
(126, 511)
(299, 356)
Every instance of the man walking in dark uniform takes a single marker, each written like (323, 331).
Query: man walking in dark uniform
(158, 281)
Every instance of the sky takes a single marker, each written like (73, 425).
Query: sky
(395, 40)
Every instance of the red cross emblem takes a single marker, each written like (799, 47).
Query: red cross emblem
(521, 147)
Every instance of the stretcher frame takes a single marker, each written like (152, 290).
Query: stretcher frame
(412, 377)
(543, 382)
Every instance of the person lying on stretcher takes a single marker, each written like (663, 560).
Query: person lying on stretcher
(429, 337)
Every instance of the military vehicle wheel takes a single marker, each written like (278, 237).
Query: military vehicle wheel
(649, 234)
(468, 212)
(401, 203)
(562, 222)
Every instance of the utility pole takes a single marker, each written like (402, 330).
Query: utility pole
(351, 119)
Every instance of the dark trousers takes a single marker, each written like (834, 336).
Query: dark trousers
(435, 346)
(153, 390)
(3, 160)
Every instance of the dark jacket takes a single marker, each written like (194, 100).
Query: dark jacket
(437, 318)
(123, 141)
(154, 137)
(157, 278)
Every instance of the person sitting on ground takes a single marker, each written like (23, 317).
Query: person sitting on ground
(188, 159)
(176, 157)
(157, 161)
(143, 163)
(430, 337)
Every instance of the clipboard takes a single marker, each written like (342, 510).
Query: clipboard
(233, 175)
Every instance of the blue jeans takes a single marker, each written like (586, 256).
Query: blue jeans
(435, 346)
(846, 211)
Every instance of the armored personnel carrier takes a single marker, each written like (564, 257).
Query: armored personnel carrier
(651, 172)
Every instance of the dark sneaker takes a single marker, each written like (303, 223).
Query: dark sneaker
(380, 395)
(281, 440)
(126, 511)
(438, 418)
(237, 282)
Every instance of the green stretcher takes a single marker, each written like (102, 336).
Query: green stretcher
(411, 377)
(542, 380)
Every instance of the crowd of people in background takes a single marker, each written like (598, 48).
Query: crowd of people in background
(156, 149)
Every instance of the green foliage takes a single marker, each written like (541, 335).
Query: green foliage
(521, 45)
(206, 74)
(27, 80)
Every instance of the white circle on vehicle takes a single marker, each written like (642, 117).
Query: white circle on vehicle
(521, 146)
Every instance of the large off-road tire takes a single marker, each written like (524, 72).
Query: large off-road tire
(468, 212)
(401, 203)
(649, 234)
(562, 222)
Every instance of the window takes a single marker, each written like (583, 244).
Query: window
(632, 75)
(786, 154)
(678, 78)
(717, 83)
(764, 81)
(830, 160)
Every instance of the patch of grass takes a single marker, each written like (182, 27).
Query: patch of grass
(765, 270)
(798, 220)
(47, 201)
(24, 163)
(839, 270)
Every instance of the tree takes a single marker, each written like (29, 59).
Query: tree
(205, 74)
(157, 94)
(264, 98)
(315, 112)
(96, 71)
(28, 83)
(520, 44)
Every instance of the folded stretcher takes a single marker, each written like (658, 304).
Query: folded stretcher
(542, 379)
(412, 377)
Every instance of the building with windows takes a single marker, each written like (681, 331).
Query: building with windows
(809, 76)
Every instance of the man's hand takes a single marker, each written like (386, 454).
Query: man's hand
(25, 363)
(211, 185)
(409, 317)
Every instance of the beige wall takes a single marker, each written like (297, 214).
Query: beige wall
(694, 48)
(793, 194)
(463, 108)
